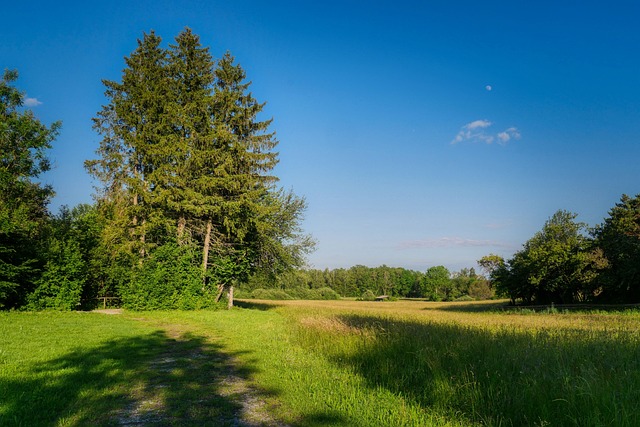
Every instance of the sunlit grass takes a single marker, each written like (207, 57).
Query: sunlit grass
(485, 367)
(307, 363)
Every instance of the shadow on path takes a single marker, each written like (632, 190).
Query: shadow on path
(148, 380)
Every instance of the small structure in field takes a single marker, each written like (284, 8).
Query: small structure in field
(382, 298)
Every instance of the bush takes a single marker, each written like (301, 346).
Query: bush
(272, 294)
(480, 290)
(367, 295)
(169, 279)
(295, 293)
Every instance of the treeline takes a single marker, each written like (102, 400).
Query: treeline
(436, 284)
(566, 262)
(187, 209)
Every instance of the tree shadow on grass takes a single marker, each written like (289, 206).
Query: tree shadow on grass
(146, 380)
(550, 308)
(504, 377)
(471, 307)
(255, 305)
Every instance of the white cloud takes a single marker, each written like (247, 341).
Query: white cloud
(31, 102)
(508, 134)
(478, 124)
(476, 132)
(450, 242)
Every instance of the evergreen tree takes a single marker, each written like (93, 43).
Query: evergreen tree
(184, 159)
(190, 146)
(241, 180)
(133, 125)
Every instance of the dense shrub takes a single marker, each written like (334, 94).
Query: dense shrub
(168, 279)
(367, 296)
(273, 294)
(480, 290)
(295, 293)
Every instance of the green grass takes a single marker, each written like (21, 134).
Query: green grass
(321, 363)
(77, 369)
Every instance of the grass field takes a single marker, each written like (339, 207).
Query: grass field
(306, 363)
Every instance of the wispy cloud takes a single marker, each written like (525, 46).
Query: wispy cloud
(31, 102)
(478, 124)
(476, 131)
(507, 135)
(450, 242)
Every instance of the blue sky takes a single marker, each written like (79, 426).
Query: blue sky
(420, 133)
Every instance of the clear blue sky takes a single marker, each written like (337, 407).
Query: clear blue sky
(421, 133)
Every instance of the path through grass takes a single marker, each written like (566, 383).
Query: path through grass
(321, 364)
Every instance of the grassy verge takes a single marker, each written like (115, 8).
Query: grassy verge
(321, 363)
(80, 369)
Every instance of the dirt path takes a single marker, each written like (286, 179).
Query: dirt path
(192, 381)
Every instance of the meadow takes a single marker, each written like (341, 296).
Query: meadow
(317, 363)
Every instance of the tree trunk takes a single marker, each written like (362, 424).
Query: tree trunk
(205, 253)
(230, 297)
(220, 290)
(135, 224)
(181, 225)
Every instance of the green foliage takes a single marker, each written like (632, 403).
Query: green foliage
(168, 279)
(436, 284)
(295, 294)
(557, 265)
(619, 239)
(23, 202)
(184, 158)
(367, 296)
(63, 279)
(480, 289)
(67, 277)
(270, 294)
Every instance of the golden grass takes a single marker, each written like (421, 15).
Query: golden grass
(480, 314)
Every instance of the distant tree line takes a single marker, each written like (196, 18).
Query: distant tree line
(436, 284)
(566, 262)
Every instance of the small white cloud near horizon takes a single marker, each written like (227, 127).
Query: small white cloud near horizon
(451, 242)
(488, 87)
(476, 132)
(31, 102)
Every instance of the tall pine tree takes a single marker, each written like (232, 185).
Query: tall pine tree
(185, 158)
(133, 125)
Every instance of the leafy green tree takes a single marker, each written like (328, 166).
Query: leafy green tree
(23, 202)
(619, 239)
(436, 284)
(558, 264)
(490, 264)
(67, 277)
(461, 282)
